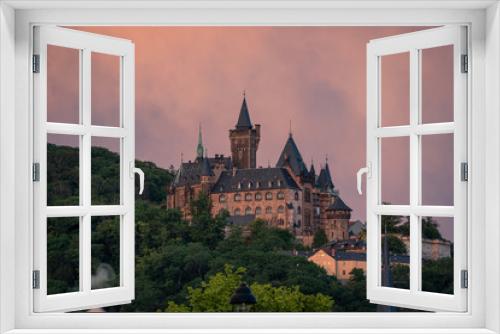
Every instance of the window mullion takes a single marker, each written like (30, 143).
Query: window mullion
(415, 173)
(85, 229)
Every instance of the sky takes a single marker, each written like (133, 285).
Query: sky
(313, 78)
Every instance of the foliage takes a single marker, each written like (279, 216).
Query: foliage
(319, 238)
(204, 228)
(214, 296)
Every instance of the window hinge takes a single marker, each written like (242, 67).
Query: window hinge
(465, 64)
(36, 172)
(36, 63)
(464, 279)
(464, 171)
(36, 279)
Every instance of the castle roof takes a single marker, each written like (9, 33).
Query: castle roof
(290, 155)
(324, 181)
(190, 172)
(254, 179)
(338, 205)
(206, 169)
(244, 118)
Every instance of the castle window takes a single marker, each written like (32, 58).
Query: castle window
(258, 210)
(299, 223)
(237, 197)
(270, 184)
(296, 195)
(279, 183)
(307, 195)
(281, 195)
(249, 185)
(237, 212)
(281, 209)
(258, 196)
(299, 210)
(269, 210)
(222, 198)
(248, 197)
(239, 185)
(269, 195)
(258, 184)
(248, 210)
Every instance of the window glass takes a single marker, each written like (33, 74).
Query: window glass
(63, 255)
(106, 97)
(63, 91)
(395, 89)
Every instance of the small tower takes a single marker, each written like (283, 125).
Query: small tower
(199, 148)
(244, 140)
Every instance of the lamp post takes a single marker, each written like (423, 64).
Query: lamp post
(242, 298)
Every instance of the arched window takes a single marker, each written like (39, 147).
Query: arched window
(258, 196)
(281, 209)
(237, 197)
(281, 195)
(222, 198)
(248, 210)
(299, 210)
(258, 210)
(269, 195)
(296, 196)
(248, 197)
(269, 210)
(237, 212)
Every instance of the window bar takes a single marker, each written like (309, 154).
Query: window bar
(85, 250)
(414, 171)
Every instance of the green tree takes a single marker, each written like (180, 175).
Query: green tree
(205, 228)
(214, 296)
(319, 238)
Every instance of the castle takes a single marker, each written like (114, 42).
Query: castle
(287, 196)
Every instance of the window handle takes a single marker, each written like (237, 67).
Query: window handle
(365, 170)
(135, 170)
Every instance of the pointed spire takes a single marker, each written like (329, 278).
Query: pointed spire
(199, 148)
(244, 117)
(290, 155)
(312, 171)
(290, 129)
(205, 167)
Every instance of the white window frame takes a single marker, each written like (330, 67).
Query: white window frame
(16, 18)
(86, 44)
(413, 44)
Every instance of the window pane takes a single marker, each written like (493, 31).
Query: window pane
(395, 89)
(437, 169)
(395, 248)
(63, 255)
(105, 252)
(105, 171)
(437, 84)
(63, 170)
(395, 169)
(105, 89)
(63, 84)
(437, 254)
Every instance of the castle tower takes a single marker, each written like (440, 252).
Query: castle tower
(244, 140)
(199, 148)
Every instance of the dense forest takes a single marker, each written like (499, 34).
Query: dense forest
(193, 267)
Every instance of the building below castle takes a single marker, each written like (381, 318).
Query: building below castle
(288, 196)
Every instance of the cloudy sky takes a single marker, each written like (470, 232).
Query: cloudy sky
(313, 77)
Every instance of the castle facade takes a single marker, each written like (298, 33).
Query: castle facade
(288, 196)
